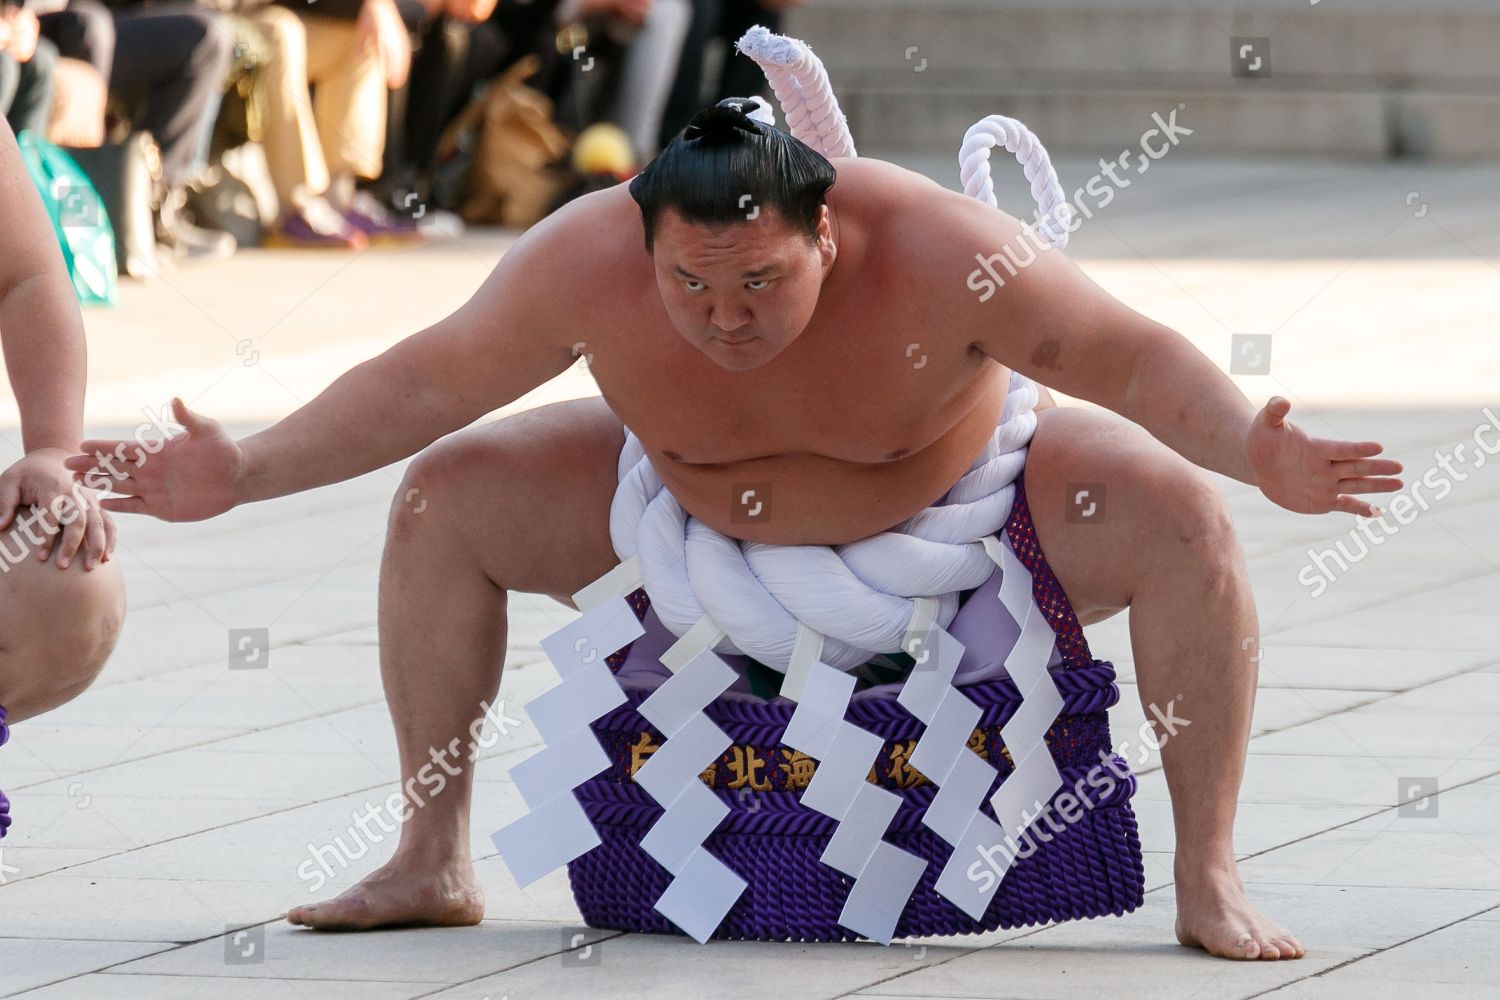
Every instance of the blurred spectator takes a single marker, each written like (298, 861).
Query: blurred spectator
(437, 88)
(738, 76)
(655, 32)
(84, 36)
(319, 144)
(650, 35)
(27, 67)
(169, 60)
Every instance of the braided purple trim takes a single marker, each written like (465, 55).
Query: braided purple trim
(1084, 690)
(776, 814)
(4, 802)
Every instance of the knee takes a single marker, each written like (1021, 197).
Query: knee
(57, 630)
(93, 27)
(443, 482)
(1195, 526)
(283, 30)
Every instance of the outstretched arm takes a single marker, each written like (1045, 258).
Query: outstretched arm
(502, 343)
(1049, 321)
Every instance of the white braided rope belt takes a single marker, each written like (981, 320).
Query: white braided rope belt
(813, 612)
(858, 596)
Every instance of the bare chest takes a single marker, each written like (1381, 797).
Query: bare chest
(854, 387)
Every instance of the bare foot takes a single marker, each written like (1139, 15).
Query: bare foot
(1214, 914)
(400, 894)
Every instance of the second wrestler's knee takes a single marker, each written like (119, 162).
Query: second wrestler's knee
(57, 630)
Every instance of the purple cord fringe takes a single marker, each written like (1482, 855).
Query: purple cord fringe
(4, 802)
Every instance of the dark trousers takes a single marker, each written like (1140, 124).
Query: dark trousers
(740, 77)
(26, 89)
(86, 31)
(173, 57)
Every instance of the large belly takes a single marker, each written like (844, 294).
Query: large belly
(809, 499)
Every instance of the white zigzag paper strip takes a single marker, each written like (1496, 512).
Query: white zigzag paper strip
(556, 830)
(942, 755)
(703, 888)
(884, 874)
(1022, 796)
(962, 777)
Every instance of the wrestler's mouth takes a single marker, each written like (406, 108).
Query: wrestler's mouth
(734, 342)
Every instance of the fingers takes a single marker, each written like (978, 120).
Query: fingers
(72, 536)
(1343, 451)
(128, 486)
(96, 542)
(1369, 484)
(109, 533)
(106, 456)
(125, 505)
(10, 498)
(1350, 469)
(1354, 505)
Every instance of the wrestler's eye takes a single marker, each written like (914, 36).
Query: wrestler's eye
(757, 284)
(688, 283)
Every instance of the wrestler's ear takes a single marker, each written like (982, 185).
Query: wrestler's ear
(827, 249)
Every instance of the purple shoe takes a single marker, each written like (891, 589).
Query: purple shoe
(368, 216)
(295, 232)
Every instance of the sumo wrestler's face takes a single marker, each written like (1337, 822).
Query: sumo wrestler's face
(740, 293)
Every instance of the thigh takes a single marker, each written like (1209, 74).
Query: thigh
(1103, 494)
(528, 494)
(157, 43)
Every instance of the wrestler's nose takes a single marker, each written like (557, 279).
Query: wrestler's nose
(729, 318)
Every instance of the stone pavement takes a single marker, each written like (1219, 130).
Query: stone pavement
(162, 818)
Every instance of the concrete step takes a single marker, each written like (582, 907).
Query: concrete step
(1413, 45)
(1320, 80)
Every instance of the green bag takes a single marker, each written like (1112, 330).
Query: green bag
(78, 219)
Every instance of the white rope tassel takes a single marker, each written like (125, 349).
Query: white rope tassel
(974, 170)
(801, 85)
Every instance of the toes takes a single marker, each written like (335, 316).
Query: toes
(1289, 946)
(1247, 945)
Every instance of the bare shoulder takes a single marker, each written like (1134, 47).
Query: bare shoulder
(577, 269)
(923, 240)
(583, 243)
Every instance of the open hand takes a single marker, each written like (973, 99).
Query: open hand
(56, 509)
(1315, 475)
(188, 477)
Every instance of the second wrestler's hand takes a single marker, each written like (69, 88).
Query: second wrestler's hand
(70, 517)
(1314, 475)
(195, 475)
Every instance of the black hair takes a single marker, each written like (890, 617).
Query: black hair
(725, 165)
